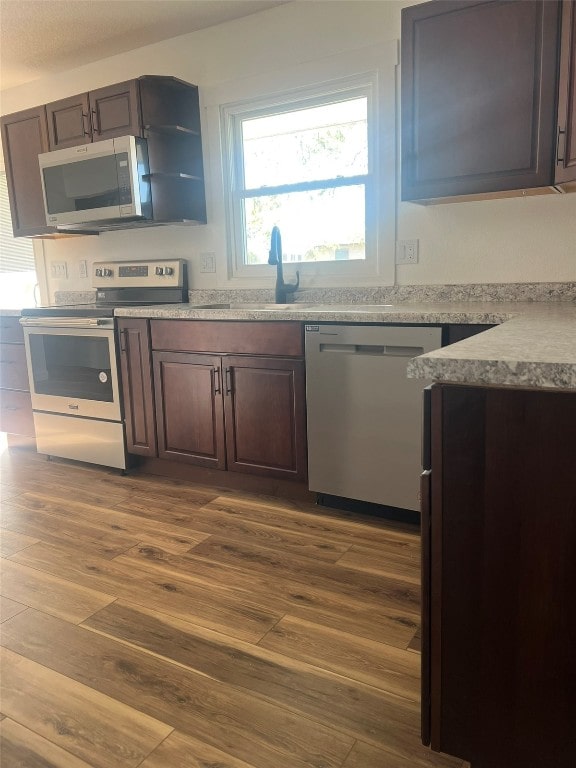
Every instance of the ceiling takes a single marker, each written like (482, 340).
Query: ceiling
(42, 37)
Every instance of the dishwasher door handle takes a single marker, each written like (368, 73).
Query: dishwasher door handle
(388, 350)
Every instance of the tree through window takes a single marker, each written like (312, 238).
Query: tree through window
(306, 170)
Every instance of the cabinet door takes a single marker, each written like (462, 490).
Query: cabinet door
(115, 111)
(502, 572)
(189, 408)
(137, 386)
(16, 413)
(566, 139)
(69, 122)
(478, 96)
(13, 369)
(24, 137)
(265, 416)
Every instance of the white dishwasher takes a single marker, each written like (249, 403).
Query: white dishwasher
(364, 414)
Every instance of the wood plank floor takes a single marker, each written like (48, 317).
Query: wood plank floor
(154, 623)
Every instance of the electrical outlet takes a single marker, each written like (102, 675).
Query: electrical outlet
(207, 262)
(83, 268)
(407, 252)
(59, 269)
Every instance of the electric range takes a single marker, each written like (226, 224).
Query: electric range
(72, 357)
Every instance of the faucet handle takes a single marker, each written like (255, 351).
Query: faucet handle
(293, 287)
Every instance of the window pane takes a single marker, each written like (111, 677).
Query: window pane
(17, 268)
(306, 145)
(16, 254)
(322, 225)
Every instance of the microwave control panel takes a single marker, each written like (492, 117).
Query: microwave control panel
(165, 273)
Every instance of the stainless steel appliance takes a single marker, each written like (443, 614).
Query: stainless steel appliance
(364, 414)
(103, 182)
(71, 354)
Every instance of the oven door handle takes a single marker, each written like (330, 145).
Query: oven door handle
(67, 322)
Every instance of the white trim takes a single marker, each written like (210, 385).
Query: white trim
(39, 248)
(374, 65)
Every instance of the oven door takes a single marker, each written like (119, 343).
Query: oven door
(72, 367)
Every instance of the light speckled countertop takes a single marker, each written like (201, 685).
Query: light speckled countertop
(534, 345)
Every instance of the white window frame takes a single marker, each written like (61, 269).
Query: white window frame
(368, 71)
(232, 117)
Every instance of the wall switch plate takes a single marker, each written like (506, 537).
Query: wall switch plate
(407, 252)
(207, 262)
(59, 269)
(83, 268)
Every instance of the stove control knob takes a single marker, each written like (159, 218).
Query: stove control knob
(168, 271)
(159, 270)
(98, 272)
(107, 272)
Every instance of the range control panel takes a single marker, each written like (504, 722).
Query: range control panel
(156, 273)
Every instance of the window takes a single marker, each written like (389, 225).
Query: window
(305, 170)
(310, 148)
(17, 266)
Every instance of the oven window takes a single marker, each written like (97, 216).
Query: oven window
(71, 366)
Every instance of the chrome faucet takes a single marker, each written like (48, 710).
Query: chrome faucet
(283, 290)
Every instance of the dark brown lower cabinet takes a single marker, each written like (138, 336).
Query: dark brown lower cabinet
(226, 406)
(137, 387)
(244, 414)
(15, 403)
(499, 574)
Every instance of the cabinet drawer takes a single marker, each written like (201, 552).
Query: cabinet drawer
(16, 413)
(11, 330)
(281, 339)
(13, 370)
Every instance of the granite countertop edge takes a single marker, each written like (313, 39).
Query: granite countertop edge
(532, 346)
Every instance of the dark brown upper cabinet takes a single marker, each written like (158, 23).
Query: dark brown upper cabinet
(101, 114)
(24, 137)
(480, 97)
(163, 110)
(566, 138)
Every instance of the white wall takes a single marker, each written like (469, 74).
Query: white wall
(514, 240)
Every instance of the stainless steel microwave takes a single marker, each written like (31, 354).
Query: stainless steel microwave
(100, 183)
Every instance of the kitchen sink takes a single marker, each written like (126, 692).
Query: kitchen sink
(298, 307)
